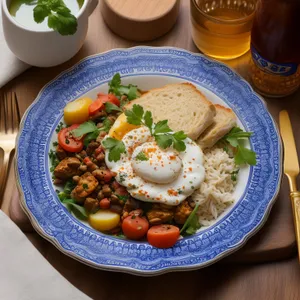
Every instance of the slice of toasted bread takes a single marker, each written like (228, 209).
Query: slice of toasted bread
(224, 121)
(182, 105)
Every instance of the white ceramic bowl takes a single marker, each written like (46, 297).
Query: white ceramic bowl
(45, 48)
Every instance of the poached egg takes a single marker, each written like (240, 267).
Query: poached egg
(152, 174)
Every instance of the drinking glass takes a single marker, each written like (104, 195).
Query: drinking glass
(221, 28)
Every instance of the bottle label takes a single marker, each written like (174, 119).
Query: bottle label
(284, 69)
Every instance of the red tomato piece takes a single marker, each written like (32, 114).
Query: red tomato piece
(69, 142)
(99, 150)
(104, 203)
(109, 98)
(135, 227)
(163, 236)
(87, 160)
(95, 106)
(108, 175)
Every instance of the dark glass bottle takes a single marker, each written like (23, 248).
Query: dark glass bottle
(275, 47)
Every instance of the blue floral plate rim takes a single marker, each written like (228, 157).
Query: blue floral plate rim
(162, 270)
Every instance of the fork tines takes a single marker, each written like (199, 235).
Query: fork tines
(9, 113)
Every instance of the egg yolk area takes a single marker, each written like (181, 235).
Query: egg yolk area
(153, 174)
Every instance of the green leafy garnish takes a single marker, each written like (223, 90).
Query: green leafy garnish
(123, 198)
(115, 147)
(122, 177)
(115, 87)
(66, 193)
(141, 156)
(84, 128)
(65, 198)
(135, 116)
(162, 133)
(77, 210)
(236, 138)
(59, 16)
(94, 134)
(192, 224)
(234, 175)
(109, 107)
(120, 236)
(59, 127)
(53, 160)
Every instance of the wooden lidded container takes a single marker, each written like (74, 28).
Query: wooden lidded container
(140, 20)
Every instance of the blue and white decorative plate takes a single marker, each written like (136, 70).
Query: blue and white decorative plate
(148, 67)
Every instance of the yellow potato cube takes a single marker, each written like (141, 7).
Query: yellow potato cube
(77, 111)
(104, 220)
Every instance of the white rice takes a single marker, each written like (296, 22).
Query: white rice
(215, 193)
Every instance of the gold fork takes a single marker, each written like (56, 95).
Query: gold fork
(9, 127)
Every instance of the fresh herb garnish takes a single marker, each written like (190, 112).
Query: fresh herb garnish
(93, 135)
(122, 177)
(109, 107)
(53, 160)
(119, 90)
(59, 16)
(192, 224)
(115, 147)
(55, 144)
(161, 131)
(66, 193)
(85, 186)
(142, 156)
(234, 175)
(236, 138)
(120, 236)
(65, 198)
(69, 186)
(84, 128)
(90, 130)
(59, 127)
(123, 198)
(77, 210)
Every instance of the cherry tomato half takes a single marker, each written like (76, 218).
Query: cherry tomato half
(163, 236)
(135, 227)
(109, 98)
(95, 106)
(67, 141)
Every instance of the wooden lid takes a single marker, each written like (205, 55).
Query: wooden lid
(140, 20)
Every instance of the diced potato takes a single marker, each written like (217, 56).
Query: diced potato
(77, 111)
(104, 220)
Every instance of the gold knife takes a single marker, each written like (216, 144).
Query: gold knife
(291, 168)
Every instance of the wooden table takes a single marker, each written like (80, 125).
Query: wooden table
(221, 281)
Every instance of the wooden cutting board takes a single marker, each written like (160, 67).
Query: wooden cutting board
(276, 240)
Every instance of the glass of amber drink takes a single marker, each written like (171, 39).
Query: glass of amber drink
(221, 28)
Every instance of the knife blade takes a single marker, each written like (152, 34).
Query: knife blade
(291, 163)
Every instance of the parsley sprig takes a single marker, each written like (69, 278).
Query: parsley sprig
(236, 138)
(59, 16)
(116, 88)
(90, 130)
(163, 134)
(115, 147)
